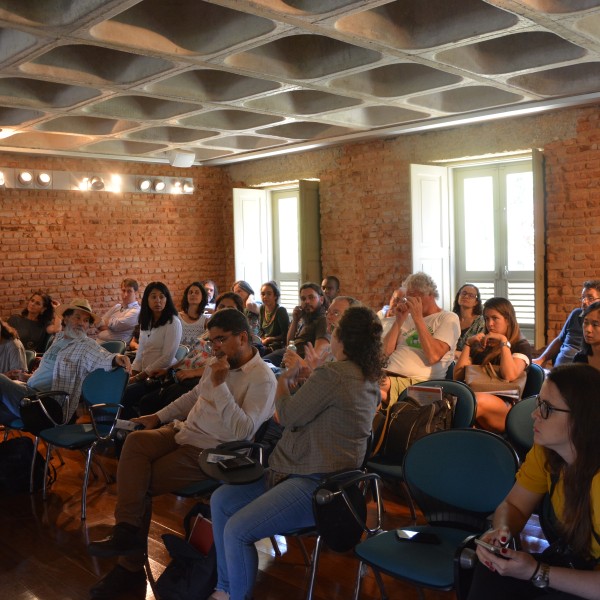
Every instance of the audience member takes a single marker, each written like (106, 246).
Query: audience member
(563, 348)
(387, 314)
(500, 344)
(64, 365)
(327, 423)
(331, 288)
(251, 308)
(469, 308)
(590, 348)
(420, 343)
(274, 320)
(193, 319)
(230, 300)
(309, 324)
(212, 292)
(234, 397)
(119, 322)
(564, 464)
(12, 352)
(160, 334)
(36, 322)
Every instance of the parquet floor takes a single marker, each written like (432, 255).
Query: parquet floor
(43, 552)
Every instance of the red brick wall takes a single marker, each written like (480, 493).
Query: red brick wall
(75, 243)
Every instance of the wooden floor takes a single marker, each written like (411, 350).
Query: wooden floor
(43, 555)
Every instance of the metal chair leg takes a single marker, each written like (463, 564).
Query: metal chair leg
(313, 567)
(48, 457)
(86, 478)
(36, 442)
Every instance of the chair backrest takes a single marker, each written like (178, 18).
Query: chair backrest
(519, 425)
(102, 387)
(466, 404)
(115, 346)
(533, 383)
(181, 352)
(459, 476)
(29, 358)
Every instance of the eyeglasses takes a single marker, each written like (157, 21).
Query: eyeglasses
(335, 313)
(547, 409)
(219, 340)
(589, 298)
(468, 295)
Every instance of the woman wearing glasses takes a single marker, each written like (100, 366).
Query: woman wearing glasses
(468, 307)
(565, 464)
(503, 348)
(590, 348)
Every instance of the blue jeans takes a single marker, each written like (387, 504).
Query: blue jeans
(11, 394)
(244, 514)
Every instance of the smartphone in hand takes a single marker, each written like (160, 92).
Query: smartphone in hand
(497, 550)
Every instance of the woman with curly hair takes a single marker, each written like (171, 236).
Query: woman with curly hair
(36, 322)
(327, 424)
(193, 319)
(469, 308)
(502, 345)
(564, 463)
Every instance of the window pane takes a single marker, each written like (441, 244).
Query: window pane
(289, 259)
(519, 221)
(479, 224)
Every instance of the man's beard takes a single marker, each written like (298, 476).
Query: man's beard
(75, 334)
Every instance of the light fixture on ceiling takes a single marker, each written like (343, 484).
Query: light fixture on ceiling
(144, 185)
(25, 178)
(43, 179)
(188, 187)
(158, 185)
(176, 186)
(96, 183)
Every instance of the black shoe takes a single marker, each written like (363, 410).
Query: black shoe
(124, 540)
(119, 581)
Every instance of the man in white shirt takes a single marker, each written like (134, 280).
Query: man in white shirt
(421, 340)
(119, 322)
(234, 397)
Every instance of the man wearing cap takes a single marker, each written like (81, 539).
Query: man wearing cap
(120, 321)
(64, 365)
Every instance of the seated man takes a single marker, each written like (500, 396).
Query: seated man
(309, 324)
(64, 365)
(563, 348)
(331, 288)
(119, 322)
(234, 397)
(420, 343)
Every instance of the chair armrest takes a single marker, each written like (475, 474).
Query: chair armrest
(465, 560)
(235, 446)
(97, 408)
(38, 399)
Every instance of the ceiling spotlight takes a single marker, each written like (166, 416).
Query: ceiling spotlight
(176, 186)
(188, 187)
(158, 185)
(25, 178)
(43, 179)
(96, 183)
(144, 185)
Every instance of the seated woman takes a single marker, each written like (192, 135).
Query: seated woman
(590, 348)
(274, 320)
(500, 345)
(327, 424)
(251, 309)
(186, 373)
(160, 334)
(468, 307)
(36, 323)
(565, 464)
(193, 319)
(12, 352)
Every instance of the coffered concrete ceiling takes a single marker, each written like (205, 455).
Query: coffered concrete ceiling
(231, 80)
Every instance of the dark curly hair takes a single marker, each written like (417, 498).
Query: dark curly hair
(477, 309)
(239, 303)
(185, 304)
(46, 317)
(359, 330)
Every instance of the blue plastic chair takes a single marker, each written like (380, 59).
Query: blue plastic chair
(29, 358)
(519, 425)
(534, 381)
(457, 477)
(102, 392)
(114, 346)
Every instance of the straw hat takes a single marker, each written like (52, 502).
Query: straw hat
(77, 304)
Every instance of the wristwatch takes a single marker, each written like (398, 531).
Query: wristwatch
(542, 578)
(506, 343)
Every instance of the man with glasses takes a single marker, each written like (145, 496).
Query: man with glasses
(563, 348)
(420, 343)
(234, 397)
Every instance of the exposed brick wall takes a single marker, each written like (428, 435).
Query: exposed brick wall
(73, 243)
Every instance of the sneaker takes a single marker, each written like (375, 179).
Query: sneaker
(124, 540)
(117, 582)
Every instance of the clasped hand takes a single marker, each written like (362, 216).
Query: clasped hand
(513, 563)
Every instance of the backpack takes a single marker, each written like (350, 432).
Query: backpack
(16, 455)
(407, 421)
(190, 575)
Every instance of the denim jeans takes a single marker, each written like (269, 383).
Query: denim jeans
(244, 514)
(11, 394)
